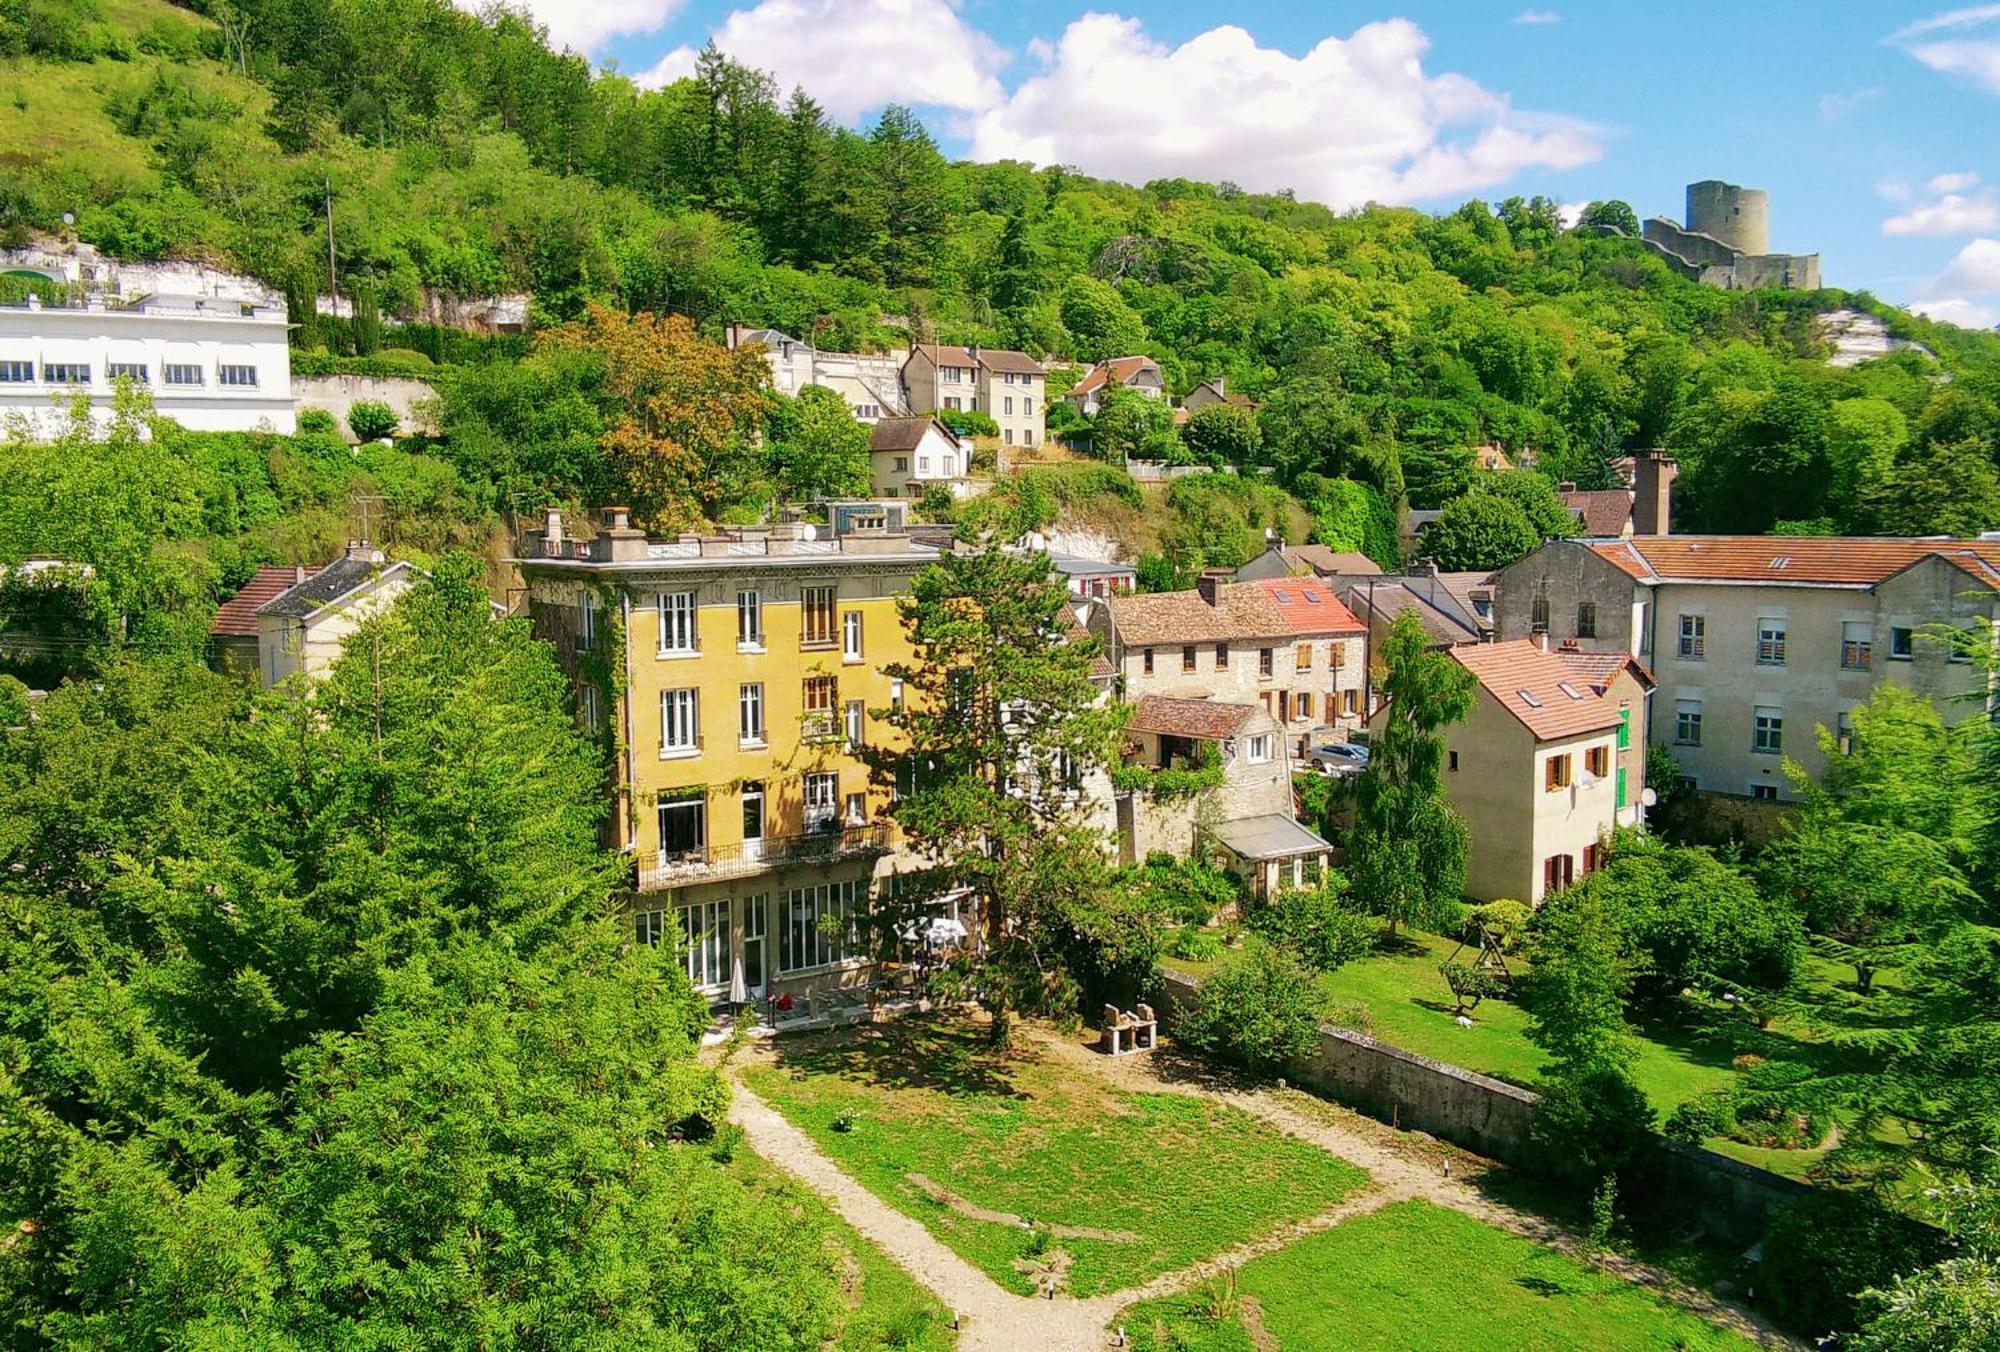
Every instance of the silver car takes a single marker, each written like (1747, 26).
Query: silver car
(1341, 758)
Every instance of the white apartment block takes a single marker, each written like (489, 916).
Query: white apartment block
(210, 365)
(870, 382)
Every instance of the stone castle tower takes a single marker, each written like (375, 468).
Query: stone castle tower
(1727, 241)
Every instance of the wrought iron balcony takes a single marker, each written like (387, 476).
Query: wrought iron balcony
(676, 868)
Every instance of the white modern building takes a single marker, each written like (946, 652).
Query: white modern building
(210, 365)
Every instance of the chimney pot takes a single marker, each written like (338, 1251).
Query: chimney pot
(298, 573)
(617, 518)
(1543, 639)
(1209, 585)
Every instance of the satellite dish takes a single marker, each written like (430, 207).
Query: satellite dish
(808, 531)
(1648, 797)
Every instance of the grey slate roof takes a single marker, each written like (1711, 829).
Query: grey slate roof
(340, 578)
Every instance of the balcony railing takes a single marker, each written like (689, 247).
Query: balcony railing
(671, 868)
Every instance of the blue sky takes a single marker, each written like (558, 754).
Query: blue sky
(1875, 127)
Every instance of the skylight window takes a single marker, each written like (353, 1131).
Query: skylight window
(1312, 598)
(1282, 595)
(1782, 561)
(1529, 698)
(1569, 690)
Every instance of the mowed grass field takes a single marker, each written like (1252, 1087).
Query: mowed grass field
(1119, 1186)
(1414, 1277)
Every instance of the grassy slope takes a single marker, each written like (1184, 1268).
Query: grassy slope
(1401, 999)
(1415, 1276)
(886, 1307)
(1028, 1137)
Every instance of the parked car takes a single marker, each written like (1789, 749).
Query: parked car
(1342, 758)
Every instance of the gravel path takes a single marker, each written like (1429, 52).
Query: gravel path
(1403, 1165)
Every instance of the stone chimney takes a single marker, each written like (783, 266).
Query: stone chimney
(1653, 475)
(1209, 585)
(298, 573)
(621, 542)
(552, 532)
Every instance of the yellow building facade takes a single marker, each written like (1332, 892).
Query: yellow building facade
(736, 680)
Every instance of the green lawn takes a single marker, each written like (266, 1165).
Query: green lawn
(1415, 1276)
(1400, 998)
(1160, 1179)
(885, 1306)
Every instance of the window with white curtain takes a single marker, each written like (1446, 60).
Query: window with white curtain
(680, 721)
(677, 630)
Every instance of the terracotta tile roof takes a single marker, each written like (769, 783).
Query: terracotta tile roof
(237, 617)
(991, 358)
(1119, 369)
(1207, 720)
(1324, 559)
(1852, 560)
(1100, 666)
(904, 434)
(1602, 511)
(1528, 683)
(1278, 607)
(1598, 668)
(1307, 605)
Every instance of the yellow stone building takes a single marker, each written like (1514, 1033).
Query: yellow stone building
(733, 677)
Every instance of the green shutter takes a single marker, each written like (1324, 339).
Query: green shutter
(1624, 728)
(1621, 786)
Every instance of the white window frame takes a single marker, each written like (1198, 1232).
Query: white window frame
(823, 598)
(854, 721)
(135, 371)
(1771, 635)
(822, 800)
(14, 372)
(586, 621)
(1258, 749)
(750, 621)
(593, 716)
(804, 942)
(1693, 638)
(1687, 720)
(850, 636)
(1767, 730)
(750, 714)
(185, 375)
(236, 375)
(679, 635)
(649, 927)
(704, 934)
(70, 373)
(680, 722)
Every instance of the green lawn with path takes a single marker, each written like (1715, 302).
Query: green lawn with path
(1414, 1276)
(1398, 997)
(883, 1307)
(1124, 1185)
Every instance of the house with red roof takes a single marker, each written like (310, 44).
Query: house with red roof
(1139, 374)
(232, 634)
(1532, 771)
(1756, 641)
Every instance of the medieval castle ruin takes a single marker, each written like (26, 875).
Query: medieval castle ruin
(1726, 241)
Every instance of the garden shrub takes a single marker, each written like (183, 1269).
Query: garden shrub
(1260, 1009)
(1594, 1123)
(1185, 893)
(1194, 943)
(1319, 925)
(317, 420)
(1827, 1247)
(1700, 1118)
(371, 420)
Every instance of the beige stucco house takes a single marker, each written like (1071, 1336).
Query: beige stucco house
(871, 383)
(1287, 644)
(1005, 385)
(1756, 640)
(301, 629)
(1531, 770)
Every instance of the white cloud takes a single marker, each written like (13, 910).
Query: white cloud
(1537, 16)
(1967, 314)
(675, 65)
(1954, 211)
(587, 24)
(1972, 48)
(1835, 107)
(856, 55)
(1975, 271)
(1895, 189)
(1353, 120)
(1572, 212)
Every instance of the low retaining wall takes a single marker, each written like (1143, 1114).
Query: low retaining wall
(412, 399)
(1493, 1118)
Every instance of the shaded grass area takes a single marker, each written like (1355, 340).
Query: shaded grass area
(1397, 995)
(886, 1308)
(1162, 1179)
(1416, 1276)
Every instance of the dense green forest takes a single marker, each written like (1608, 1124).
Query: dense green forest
(463, 157)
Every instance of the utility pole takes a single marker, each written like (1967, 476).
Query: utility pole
(332, 268)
